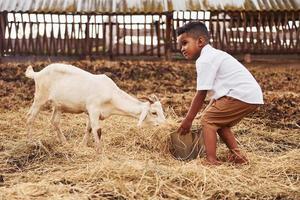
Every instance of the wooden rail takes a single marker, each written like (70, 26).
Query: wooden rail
(145, 34)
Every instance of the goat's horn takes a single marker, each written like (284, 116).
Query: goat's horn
(154, 97)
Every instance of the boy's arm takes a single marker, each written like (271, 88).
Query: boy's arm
(196, 105)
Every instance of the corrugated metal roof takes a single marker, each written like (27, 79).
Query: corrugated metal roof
(144, 5)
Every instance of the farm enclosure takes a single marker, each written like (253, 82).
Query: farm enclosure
(135, 163)
(150, 34)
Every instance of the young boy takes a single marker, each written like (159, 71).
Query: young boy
(235, 92)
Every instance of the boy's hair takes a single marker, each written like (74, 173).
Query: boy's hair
(195, 29)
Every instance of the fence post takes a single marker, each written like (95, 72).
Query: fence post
(157, 28)
(1, 33)
(3, 23)
(110, 37)
(168, 42)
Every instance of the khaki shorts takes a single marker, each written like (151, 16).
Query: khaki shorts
(226, 112)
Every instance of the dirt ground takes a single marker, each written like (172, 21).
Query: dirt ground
(134, 163)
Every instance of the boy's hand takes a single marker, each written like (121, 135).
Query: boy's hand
(196, 105)
(185, 126)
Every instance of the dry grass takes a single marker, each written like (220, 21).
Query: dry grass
(135, 163)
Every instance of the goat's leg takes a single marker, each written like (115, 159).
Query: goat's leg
(32, 113)
(55, 119)
(88, 130)
(96, 129)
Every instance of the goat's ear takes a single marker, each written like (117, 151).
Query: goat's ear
(147, 99)
(144, 114)
(153, 97)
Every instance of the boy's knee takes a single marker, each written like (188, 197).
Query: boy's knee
(206, 124)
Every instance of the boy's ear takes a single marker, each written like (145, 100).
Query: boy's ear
(201, 41)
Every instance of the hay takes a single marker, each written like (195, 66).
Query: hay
(135, 164)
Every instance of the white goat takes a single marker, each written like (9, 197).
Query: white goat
(73, 90)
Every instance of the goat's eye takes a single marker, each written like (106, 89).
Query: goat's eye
(154, 113)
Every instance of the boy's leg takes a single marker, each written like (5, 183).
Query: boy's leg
(228, 138)
(210, 142)
(224, 112)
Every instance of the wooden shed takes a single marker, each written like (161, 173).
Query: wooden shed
(145, 27)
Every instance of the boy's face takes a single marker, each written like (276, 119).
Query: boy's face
(190, 46)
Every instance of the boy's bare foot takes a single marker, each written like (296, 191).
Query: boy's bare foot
(237, 158)
(211, 162)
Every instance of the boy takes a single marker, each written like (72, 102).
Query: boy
(235, 92)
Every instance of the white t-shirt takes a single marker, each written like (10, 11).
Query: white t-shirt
(222, 75)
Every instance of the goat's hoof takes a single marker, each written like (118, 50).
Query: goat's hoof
(83, 144)
(29, 136)
(64, 141)
(99, 149)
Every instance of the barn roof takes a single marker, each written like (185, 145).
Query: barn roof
(144, 5)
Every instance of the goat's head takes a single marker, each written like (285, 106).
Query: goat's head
(152, 113)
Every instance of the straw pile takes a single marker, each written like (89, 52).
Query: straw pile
(135, 162)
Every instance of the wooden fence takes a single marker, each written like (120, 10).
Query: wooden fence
(145, 34)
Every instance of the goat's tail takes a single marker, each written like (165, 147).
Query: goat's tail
(29, 72)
